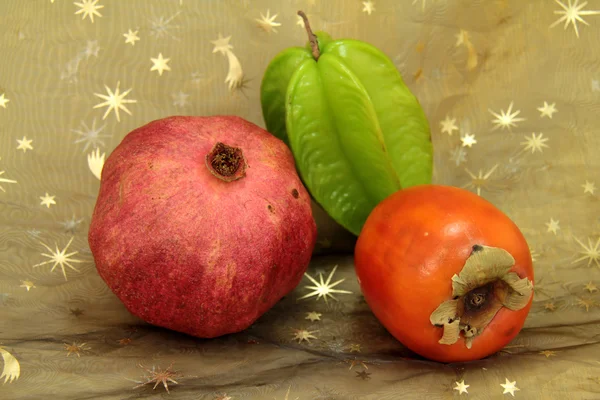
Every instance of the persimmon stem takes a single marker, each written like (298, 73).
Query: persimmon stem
(314, 44)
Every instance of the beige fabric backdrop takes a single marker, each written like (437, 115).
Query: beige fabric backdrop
(512, 92)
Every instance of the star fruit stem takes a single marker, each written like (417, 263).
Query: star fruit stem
(311, 36)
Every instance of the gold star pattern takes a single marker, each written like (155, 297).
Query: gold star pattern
(125, 341)
(468, 140)
(60, 258)
(461, 387)
(535, 143)
(77, 312)
(324, 289)
(549, 306)
(462, 37)
(88, 8)
(24, 144)
(11, 369)
(267, 22)
(4, 180)
(160, 64)
(506, 119)
(458, 155)
(571, 13)
(302, 334)
(590, 287)
(313, 316)
(510, 387)
(354, 361)
(222, 44)
(547, 110)
(158, 376)
(586, 303)
(590, 252)
(368, 6)
(448, 125)
(3, 100)
(480, 180)
(114, 101)
(47, 200)
(76, 349)
(27, 285)
(553, 226)
(589, 187)
(548, 353)
(364, 375)
(131, 37)
(96, 162)
(355, 348)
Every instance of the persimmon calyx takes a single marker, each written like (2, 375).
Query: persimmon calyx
(479, 291)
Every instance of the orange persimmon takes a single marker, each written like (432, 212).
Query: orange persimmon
(446, 272)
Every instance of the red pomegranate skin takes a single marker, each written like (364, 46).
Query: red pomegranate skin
(188, 251)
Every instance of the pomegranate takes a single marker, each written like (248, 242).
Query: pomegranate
(201, 224)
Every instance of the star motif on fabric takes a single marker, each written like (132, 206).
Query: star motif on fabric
(468, 140)
(60, 258)
(27, 285)
(47, 200)
(535, 143)
(313, 316)
(549, 306)
(267, 22)
(76, 312)
(586, 303)
(547, 110)
(96, 162)
(480, 180)
(506, 119)
(448, 125)
(91, 49)
(91, 136)
(461, 387)
(462, 37)
(591, 252)
(3, 100)
(510, 387)
(161, 26)
(180, 99)
(222, 44)
(364, 375)
(324, 289)
(589, 187)
(158, 376)
(548, 353)
(368, 6)
(4, 180)
(76, 348)
(355, 348)
(302, 334)
(160, 64)
(458, 155)
(114, 101)
(70, 225)
(131, 37)
(88, 8)
(553, 226)
(24, 144)
(571, 13)
(590, 287)
(300, 21)
(125, 341)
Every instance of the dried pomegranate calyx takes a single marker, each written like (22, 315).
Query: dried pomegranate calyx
(226, 162)
(479, 291)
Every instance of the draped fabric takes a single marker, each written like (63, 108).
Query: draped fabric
(511, 90)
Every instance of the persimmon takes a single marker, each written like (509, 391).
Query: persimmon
(446, 272)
